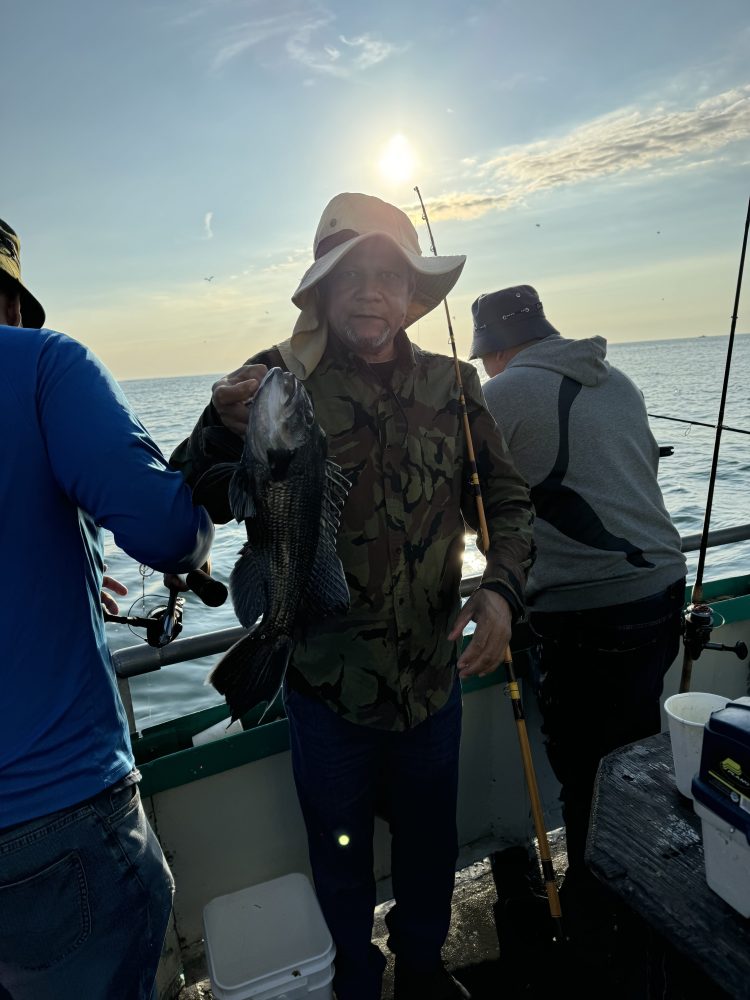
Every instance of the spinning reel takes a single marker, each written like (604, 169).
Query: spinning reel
(164, 624)
(697, 625)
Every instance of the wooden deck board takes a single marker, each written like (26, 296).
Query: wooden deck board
(645, 843)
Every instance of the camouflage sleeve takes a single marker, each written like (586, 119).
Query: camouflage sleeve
(505, 497)
(204, 458)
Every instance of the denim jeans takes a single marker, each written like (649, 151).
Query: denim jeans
(601, 677)
(85, 897)
(344, 773)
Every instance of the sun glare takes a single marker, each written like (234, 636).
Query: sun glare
(397, 161)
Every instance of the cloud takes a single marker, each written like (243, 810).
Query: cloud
(298, 28)
(207, 225)
(369, 51)
(364, 52)
(253, 33)
(624, 144)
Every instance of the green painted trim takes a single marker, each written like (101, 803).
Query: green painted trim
(167, 759)
(730, 598)
(192, 764)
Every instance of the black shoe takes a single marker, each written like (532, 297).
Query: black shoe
(431, 983)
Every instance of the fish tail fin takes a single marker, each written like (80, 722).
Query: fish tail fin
(251, 671)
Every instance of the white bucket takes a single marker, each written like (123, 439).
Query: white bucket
(269, 942)
(687, 715)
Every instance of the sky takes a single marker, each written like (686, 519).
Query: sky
(167, 161)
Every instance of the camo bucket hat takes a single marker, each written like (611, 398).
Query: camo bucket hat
(32, 313)
(348, 220)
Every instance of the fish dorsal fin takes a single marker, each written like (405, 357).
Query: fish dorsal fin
(336, 488)
(327, 592)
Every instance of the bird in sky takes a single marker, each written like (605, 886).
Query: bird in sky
(209, 279)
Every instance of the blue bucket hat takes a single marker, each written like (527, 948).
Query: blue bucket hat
(508, 318)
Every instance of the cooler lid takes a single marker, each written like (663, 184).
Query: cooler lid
(733, 721)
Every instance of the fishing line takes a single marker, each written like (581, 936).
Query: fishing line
(698, 615)
(698, 423)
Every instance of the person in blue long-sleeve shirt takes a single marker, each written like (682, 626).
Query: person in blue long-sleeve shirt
(85, 891)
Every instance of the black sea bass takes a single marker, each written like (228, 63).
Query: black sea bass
(290, 497)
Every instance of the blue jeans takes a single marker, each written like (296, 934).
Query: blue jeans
(344, 773)
(85, 897)
(601, 677)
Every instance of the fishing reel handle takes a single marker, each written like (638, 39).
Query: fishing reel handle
(739, 648)
(212, 592)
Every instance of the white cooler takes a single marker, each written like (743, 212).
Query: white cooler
(721, 797)
(269, 942)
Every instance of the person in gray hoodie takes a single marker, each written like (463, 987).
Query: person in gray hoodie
(606, 593)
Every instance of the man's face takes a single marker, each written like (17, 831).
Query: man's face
(366, 298)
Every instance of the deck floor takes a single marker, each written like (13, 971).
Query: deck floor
(472, 950)
(597, 960)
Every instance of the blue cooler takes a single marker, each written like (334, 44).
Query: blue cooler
(721, 797)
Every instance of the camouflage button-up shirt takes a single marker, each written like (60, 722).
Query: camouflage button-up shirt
(388, 663)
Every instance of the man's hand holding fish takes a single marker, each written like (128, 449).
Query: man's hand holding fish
(231, 394)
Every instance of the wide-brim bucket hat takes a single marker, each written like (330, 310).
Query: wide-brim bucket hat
(32, 313)
(348, 220)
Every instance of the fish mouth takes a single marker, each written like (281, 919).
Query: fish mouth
(292, 387)
(291, 396)
(289, 383)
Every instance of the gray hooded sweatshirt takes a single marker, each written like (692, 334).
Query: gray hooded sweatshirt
(578, 431)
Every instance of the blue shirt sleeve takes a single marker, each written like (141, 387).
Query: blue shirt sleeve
(107, 464)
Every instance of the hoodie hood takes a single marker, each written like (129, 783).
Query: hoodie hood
(583, 360)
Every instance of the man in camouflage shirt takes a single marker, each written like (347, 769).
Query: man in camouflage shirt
(373, 697)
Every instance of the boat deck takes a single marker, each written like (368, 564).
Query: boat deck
(472, 950)
(501, 944)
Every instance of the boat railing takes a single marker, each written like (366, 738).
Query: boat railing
(131, 661)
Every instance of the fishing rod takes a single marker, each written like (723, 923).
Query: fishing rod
(545, 855)
(474, 477)
(698, 615)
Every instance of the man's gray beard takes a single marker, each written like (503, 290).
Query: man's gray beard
(365, 342)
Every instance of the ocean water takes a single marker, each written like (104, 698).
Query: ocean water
(679, 378)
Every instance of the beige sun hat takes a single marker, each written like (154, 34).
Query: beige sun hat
(32, 313)
(348, 220)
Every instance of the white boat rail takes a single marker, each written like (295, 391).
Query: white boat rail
(131, 661)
